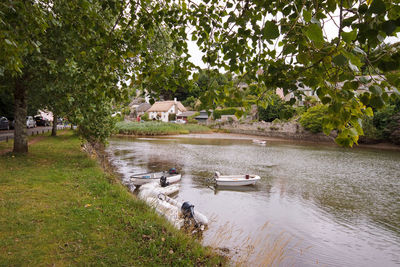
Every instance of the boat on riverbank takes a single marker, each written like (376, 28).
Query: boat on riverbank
(143, 178)
(235, 180)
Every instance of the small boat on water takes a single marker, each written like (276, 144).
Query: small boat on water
(169, 177)
(260, 142)
(236, 180)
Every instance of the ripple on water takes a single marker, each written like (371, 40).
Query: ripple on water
(338, 207)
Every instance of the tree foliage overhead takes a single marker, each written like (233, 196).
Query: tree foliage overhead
(288, 41)
(82, 57)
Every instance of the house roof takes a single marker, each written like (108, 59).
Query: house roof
(136, 101)
(143, 107)
(163, 106)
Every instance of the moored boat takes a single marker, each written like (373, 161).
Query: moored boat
(260, 142)
(171, 177)
(236, 180)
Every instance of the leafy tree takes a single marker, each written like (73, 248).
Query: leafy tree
(83, 56)
(313, 118)
(79, 57)
(244, 37)
(276, 109)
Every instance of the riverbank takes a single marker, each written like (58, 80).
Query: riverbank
(236, 136)
(58, 207)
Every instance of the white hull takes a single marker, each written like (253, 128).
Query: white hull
(157, 197)
(236, 180)
(260, 142)
(145, 178)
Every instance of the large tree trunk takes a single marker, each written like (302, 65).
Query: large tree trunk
(54, 129)
(20, 111)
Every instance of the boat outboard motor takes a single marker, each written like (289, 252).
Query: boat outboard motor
(172, 171)
(163, 181)
(187, 210)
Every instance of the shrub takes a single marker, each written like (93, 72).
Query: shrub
(227, 111)
(394, 129)
(279, 109)
(312, 119)
(171, 116)
(145, 117)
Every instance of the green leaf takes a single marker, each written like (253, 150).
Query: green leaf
(302, 58)
(314, 33)
(365, 98)
(292, 101)
(377, 7)
(331, 5)
(306, 15)
(326, 100)
(369, 112)
(348, 37)
(340, 60)
(364, 80)
(375, 89)
(239, 113)
(270, 31)
(389, 27)
(376, 101)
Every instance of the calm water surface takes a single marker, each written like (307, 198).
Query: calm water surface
(321, 206)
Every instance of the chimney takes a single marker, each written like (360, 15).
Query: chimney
(175, 99)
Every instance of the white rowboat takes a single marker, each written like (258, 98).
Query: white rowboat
(144, 178)
(260, 142)
(235, 180)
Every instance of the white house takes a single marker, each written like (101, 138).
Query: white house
(161, 110)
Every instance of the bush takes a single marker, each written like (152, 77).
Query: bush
(227, 111)
(171, 116)
(276, 110)
(312, 119)
(371, 134)
(387, 122)
(394, 129)
(145, 117)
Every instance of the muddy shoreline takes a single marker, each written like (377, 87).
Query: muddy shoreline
(235, 136)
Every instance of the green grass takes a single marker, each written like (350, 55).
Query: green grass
(158, 128)
(58, 207)
(10, 143)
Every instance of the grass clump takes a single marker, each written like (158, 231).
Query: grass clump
(57, 207)
(158, 128)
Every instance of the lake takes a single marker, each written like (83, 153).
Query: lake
(314, 205)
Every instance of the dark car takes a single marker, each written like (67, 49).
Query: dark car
(4, 124)
(40, 121)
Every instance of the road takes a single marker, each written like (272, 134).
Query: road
(32, 131)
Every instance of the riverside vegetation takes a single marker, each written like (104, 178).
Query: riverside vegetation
(158, 128)
(58, 207)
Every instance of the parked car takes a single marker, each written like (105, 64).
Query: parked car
(4, 123)
(40, 121)
(30, 122)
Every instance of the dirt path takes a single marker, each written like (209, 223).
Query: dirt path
(31, 142)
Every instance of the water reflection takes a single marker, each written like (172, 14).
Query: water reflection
(339, 206)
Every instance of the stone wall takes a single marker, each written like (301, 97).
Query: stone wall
(286, 130)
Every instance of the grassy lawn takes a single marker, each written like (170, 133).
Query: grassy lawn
(159, 128)
(57, 207)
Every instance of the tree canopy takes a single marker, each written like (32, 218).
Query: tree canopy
(83, 57)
